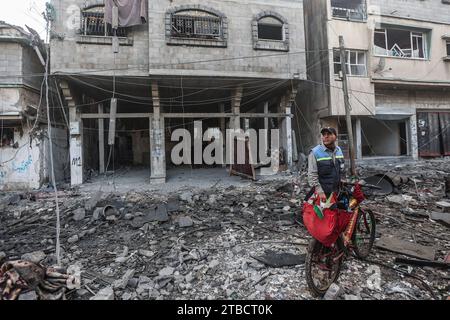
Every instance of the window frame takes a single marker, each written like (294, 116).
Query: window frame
(122, 32)
(349, 64)
(447, 46)
(171, 39)
(184, 16)
(413, 36)
(283, 32)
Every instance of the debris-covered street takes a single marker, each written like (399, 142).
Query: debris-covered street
(227, 242)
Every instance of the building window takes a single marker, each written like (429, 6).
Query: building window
(349, 9)
(270, 28)
(448, 48)
(270, 32)
(400, 43)
(196, 25)
(7, 138)
(356, 62)
(93, 23)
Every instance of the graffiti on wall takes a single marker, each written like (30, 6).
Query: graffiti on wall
(23, 166)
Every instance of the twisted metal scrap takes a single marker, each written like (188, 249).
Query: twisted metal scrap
(49, 284)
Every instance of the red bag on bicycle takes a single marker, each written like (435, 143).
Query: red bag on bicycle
(322, 224)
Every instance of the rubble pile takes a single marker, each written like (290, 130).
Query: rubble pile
(230, 243)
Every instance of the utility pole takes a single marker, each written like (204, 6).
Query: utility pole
(348, 118)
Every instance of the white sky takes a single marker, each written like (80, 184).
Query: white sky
(25, 12)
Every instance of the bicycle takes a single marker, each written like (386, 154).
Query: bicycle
(323, 264)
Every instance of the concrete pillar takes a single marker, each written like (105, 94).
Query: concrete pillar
(266, 122)
(76, 145)
(358, 139)
(157, 140)
(76, 137)
(101, 141)
(286, 130)
(414, 143)
(236, 108)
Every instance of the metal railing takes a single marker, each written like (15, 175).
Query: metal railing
(349, 13)
(196, 27)
(94, 24)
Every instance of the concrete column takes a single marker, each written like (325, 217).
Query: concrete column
(286, 130)
(223, 129)
(414, 143)
(76, 145)
(157, 140)
(266, 122)
(358, 139)
(101, 141)
(76, 137)
(236, 106)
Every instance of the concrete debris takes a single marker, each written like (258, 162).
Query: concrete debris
(333, 293)
(123, 282)
(104, 294)
(237, 242)
(406, 248)
(399, 199)
(444, 206)
(79, 214)
(441, 217)
(185, 222)
(278, 260)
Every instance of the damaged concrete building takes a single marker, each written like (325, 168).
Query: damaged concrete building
(231, 64)
(398, 63)
(24, 146)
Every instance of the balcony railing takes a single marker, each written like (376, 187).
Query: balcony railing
(350, 14)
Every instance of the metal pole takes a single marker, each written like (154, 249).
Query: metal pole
(348, 118)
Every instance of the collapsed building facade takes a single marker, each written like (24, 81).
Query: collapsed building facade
(24, 145)
(398, 66)
(230, 64)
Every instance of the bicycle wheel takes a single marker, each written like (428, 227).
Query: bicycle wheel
(322, 266)
(364, 235)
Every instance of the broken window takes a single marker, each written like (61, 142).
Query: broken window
(93, 23)
(270, 28)
(7, 137)
(356, 62)
(400, 43)
(349, 9)
(196, 24)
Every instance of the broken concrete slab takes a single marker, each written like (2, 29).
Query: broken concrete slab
(333, 292)
(104, 294)
(399, 198)
(441, 217)
(407, 248)
(165, 272)
(444, 206)
(278, 260)
(13, 200)
(158, 213)
(185, 222)
(173, 204)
